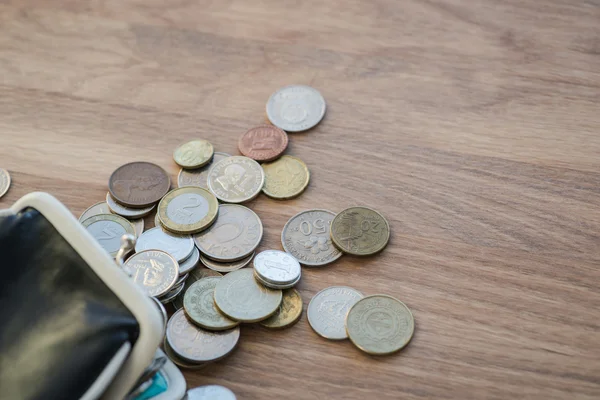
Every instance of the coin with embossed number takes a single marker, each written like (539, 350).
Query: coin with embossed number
(199, 305)
(285, 178)
(179, 246)
(188, 210)
(107, 229)
(360, 231)
(236, 179)
(225, 267)
(306, 236)
(154, 270)
(235, 234)
(194, 154)
(277, 267)
(210, 392)
(380, 324)
(239, 296)
(263, 143)
(195, 344)
(4, 181)
(288, 313)
(102, 208)
(296, 108)
(127, 212)
(327, 311)
(198, 177)
(194, 275)
(138, 184)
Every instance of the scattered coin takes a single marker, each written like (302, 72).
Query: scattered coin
(199, 305)
(277, 268)
(127, 212)
(195, 344)
(210, 392)
(138, 184)
(285, 178)
(360, 231)
(263, 143)
(194, 154)
(380, 324)
(198, 177)
(306, 236)
(98, 208)
(239, 296)
(327, 311)
(296, 108)
(236, 179)
(225, 266)
(180, 362)
(107, 229)
(4, 181)
(154, 270)
(179, 246)
(189, 263)
(288, 313)
(195, 275)
(187, 210)
(272, 285)
(235, 234)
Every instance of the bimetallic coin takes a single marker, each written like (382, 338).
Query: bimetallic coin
(157, 221)
(199, 305)
(195, 275)
(98, 208)
(272, 285)
(360, 231)
(127, 212)
(138, 184)
(236, 179)
(210, 392)
(194, 154)
(277, 267)
(153, 270)
(188, 210)
(263, 143)
(380, 324)
(195, 344)
(179, 246)
(327, 311)
(296, 108)
(288, 313)
(4, 181)
(235, 234)
(107, 229)
(198, 177)
(180, 362)
(225, 266)
(189, 263)
(239, 296)
(285, 178)
(306, 236)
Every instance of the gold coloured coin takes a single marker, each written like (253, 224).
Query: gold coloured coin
(239, 296)
(4, 181)
(236, 179)
(180, 362)
(285, 178)
(194, 275)
(154, 270)
(225, 266)
(288, 313)
(199, 305)
(107, 229)
(194, 154)
(360, 231)
(380, 324)
(188, 210)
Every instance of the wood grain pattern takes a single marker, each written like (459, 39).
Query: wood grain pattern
(473, 126)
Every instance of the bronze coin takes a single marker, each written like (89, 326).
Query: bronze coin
(138, 184)
(263, 143)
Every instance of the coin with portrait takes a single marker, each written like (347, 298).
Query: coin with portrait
(138, 184)
(236, 179)
(154, 270)
(296, 108)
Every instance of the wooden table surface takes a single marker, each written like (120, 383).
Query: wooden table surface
(473, 126)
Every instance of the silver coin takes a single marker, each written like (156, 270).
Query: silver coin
(198, 177)
(210, 392)
(179, 246)
(138, 225)
(127, 212)
(107, 229)
(189, 263)
(225, 267)
(277, 267)
(154, 270)
(271, 285)
(296, 108)
(236, 179)
(172, 295)
(327, 311)
(96, 209)
(4, 181)
(181, 279)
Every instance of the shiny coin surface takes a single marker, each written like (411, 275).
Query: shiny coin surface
(189, 263)
(199, 305)
(360, 231)
(296, 108)
(138, 184)
(272, 285)
(277, 267)
(239, 296)
(194, 154)
(188, 210)
(235, 234)
(98, 208)
(327, 311)
(306, 236)
(263, 143)
(180, 362)
(153, 270)
(196, 344)
(225, 267)
(285, 178)
(288, 313)
(138, 225)
(107, 229)
(179, 246)
(127, 212)
(236, 179)
(380, 324)
(195, 275)
(210, 392)
(198, 177)
(4, 181)
(157, 221)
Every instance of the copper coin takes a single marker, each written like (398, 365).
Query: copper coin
(263, 143)
(138, 184)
